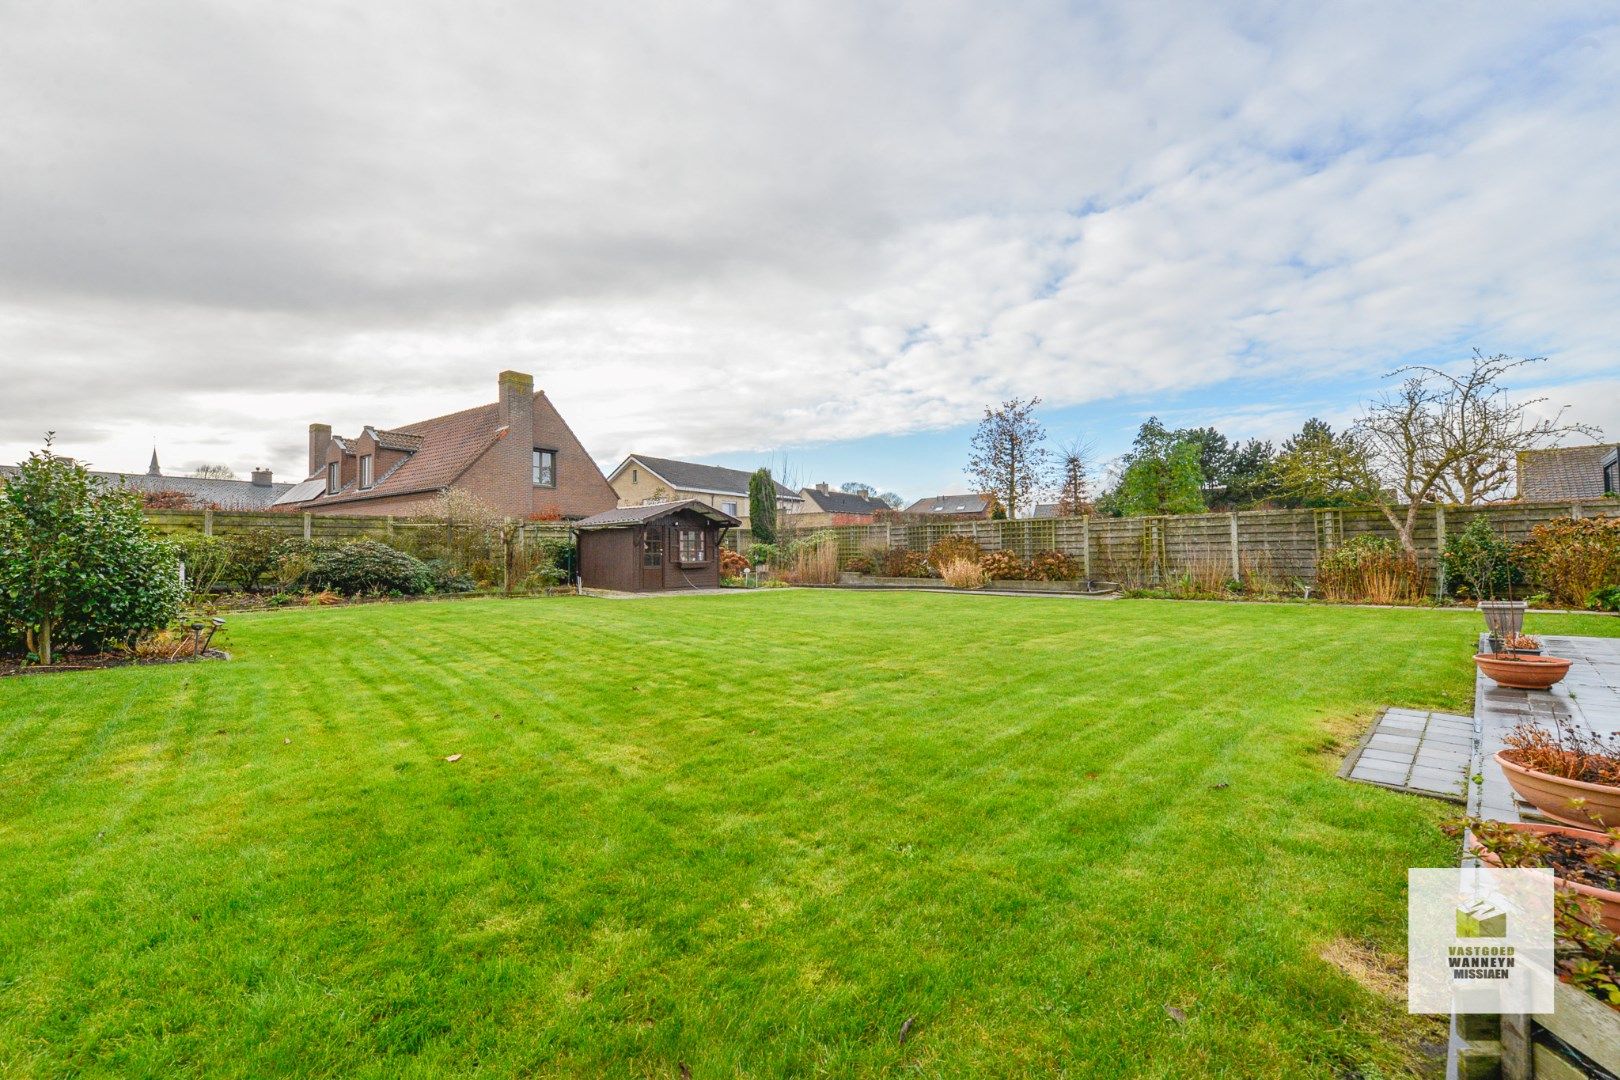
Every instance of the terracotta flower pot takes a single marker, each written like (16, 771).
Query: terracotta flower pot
(1573, 802)
(1522, 672)
(1608, 898)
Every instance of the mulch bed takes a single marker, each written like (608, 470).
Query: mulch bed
(10, 666)
(1567, 856)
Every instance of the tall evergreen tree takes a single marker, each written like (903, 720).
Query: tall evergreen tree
(1161, 474)
(762, 506)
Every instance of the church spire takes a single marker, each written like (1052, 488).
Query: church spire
(152, 469)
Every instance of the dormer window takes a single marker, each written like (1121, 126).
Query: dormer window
(365, 471)
(545, 468)
(332, 483)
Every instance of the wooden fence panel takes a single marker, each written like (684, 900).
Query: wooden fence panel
(1281, 544)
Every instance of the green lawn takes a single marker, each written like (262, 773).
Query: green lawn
(750, 833)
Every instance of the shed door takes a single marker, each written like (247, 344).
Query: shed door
(652, 557)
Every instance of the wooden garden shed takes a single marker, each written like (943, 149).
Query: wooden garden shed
(659, 548)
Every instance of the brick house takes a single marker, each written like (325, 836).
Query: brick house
(641, 480)
(823, 507)
(516, 454)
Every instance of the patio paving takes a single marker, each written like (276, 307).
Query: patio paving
(1416, 751)
(1589, 695)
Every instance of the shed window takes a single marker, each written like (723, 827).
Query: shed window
(692, 546)
(652, 549)
(365, 470)
(332, 478)
(545, 468)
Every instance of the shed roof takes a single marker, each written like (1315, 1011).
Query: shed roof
(625, 516)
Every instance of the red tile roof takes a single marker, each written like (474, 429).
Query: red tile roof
(448, 447)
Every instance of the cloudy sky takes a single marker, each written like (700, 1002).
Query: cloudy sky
(818, 234)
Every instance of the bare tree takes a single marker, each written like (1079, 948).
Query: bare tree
(1074, 481)
(213, 472)
(1008, 459)
(1444, 436)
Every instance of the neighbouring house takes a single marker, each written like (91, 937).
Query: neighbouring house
(644, 481)
(516, 455)
(823, 506)
(1045, 510)
(957, 507)
(192, 492)
(1569, 472)
(653, 548)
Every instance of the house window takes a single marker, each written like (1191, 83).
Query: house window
(730, 508)
(332, 478)
(1611, 475)
(365, 470)
(635, 477)
(652, 549)
(545, 468)
(692, 546)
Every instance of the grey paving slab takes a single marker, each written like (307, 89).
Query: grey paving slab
(1424, 753)
(1588, 696)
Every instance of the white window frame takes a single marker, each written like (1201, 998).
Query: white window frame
(334, 477)
(366, 471)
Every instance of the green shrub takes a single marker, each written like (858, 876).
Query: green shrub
(251, 555)
(206, 561)
(1479, 560)
(1572, 558)
(1605, 599)
(366, 566)
(78, 564)
(444, 578)
(761, 554)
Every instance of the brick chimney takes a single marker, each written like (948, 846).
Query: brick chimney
(261, 477)
(822, 487)
(517, 403)
(320, 437)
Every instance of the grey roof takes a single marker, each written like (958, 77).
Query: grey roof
(637, 515)
(1562, 472)
(714, 479)
(225, 494)
(950, 504)
(842, 502)
(1045, 510)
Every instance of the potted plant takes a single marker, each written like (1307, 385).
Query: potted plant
(1522, 645)
(1569, 774)
(1522, 671)
(1483, 560)
(1583, 862)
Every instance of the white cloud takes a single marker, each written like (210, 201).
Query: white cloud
(742, 228)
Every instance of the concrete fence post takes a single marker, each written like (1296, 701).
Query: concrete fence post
(390, 526)
(1575, 511)
(208, 523)
(1237, 564)
(1085, 544)
(1439, 552)
(306, 526)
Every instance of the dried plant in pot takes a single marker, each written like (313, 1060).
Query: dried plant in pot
(1583, 862)
(1570, 774)
(1522, 645)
